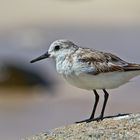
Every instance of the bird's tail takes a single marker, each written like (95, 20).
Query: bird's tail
(132, 67)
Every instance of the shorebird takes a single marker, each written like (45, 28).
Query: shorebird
(90, 69)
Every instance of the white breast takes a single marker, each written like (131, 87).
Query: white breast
(64, 67)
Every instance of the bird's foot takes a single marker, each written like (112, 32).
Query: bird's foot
(100, 118)
(87, 120)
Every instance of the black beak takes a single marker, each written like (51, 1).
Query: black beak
(46, 55)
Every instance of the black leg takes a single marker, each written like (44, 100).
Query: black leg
(106, 95)
(94, 108)
(95, 105)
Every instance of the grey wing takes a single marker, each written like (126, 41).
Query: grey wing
(100, 62)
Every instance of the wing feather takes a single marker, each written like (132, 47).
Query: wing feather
(105, 62)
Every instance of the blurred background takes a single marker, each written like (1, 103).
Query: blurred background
(33, 98)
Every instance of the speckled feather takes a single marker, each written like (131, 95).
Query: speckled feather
(104, 62)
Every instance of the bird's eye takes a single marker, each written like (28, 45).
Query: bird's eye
(57, 48)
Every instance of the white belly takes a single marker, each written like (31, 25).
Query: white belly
(101, 81)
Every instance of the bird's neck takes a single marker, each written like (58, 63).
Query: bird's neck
(63, 65)
(65, 54)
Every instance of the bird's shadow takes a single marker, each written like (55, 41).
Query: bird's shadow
(114, 116)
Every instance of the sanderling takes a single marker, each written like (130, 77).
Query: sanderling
(90, 69)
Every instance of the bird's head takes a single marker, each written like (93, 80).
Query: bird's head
(58, 49)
